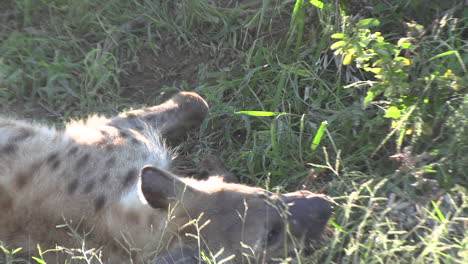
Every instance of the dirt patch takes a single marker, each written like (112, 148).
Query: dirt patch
(174, 66)
(178, 65)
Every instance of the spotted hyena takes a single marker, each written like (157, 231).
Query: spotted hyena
(109, 181)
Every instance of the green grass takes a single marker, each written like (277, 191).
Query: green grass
(397, 168)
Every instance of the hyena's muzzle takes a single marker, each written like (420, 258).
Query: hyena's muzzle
(308, 214)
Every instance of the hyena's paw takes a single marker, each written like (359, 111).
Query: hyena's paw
(212, 166)
(183, 112)
(173, 118)
(191, 109)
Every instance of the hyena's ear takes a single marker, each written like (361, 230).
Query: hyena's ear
(161, 188)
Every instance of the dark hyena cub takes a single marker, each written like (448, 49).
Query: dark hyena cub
(111, 176)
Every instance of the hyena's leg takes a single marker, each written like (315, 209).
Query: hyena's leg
(173, 118)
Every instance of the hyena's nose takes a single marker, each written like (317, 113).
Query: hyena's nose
(308, 214)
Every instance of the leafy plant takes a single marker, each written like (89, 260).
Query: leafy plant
(9, 254)
(404, 82)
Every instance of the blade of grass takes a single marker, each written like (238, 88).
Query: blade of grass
(318, 135)
(317, 3)
(260, 113)
(440, 215)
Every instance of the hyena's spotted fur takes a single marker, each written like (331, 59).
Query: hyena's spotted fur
(95, 176)
(88, 170)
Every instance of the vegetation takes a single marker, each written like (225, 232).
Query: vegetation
(364, 100)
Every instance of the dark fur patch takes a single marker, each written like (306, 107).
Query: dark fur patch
(12, 147)
(89, 186)
(53, 161)
(135, 141)
(105, 133)
(22, 179)
(22, 135)
(129, 177)
(110, 162)
(82, 161)
(72, 186)
(202, 175)
(56, 164)
(9, 149)
(99, 203)
(52, 157)
(105, 139)
(124, 134)
(73, 151)
(105, 177)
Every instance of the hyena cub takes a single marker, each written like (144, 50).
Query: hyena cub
(109, 180)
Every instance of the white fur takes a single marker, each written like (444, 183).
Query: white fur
(134, 198)
(160, 157)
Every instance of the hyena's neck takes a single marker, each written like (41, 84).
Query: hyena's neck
(138, 227)
(132, 142)
(88, 171)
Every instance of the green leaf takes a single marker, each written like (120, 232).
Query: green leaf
(348, 59)
(339, 36)
(393, 112)
(406, 45)
(375, 70)
(369, 97)
(450, 52)
(439, 213)
(16, 250)
(368, 22)
(318, 136)
(317, 3)
(404, 42)
(40, 261)
(260, 113)
(337, 226)
(338, 44)
(405, 61)
(298, 12)
(382, 52)
(4, 249)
